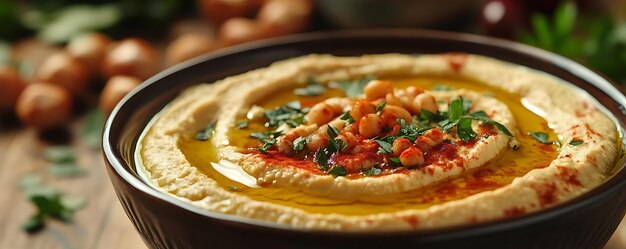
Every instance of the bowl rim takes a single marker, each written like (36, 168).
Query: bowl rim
(606, 86)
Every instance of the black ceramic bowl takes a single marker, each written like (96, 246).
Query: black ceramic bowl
(584, 222)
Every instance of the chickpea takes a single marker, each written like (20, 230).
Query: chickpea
(370, 125)
(349, 139)
(393, 100)
(412, 91)
(64, 70)
(320, 114)
(430, 139)
(238, 30)
(377, 89)
(132, 57)
(11, 85)
(115, 89)
(361, 108)
(90, 49)
(317, 141)
(390, 114)
(44, 105)
(219, 11)
(189, 46)
(412, 157)
(427, 102)
(399, 145)
(281, 17)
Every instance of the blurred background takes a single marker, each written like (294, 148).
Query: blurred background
(64, 64)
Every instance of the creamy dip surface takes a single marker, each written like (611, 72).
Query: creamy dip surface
(380, 142)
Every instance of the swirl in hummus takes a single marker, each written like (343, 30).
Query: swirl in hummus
(380, 142)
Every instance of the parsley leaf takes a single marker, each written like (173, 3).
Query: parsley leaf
(49, 202)
(289, 113)
(321, 158)
(373, 171)
(299, 143)
(312, 89)
(63, 162)
(354, 88)
(337, 171)
(384, 147)
(575, 142)
(242, 124)
(205, 134)
(482, 116)
(265, 135)
(381, 106)
(347, 117)
(394, 161)
(456, 109)
(541, 137)
(267, 145)
(464, 129)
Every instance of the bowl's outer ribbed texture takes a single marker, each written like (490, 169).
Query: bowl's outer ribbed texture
(586, 222)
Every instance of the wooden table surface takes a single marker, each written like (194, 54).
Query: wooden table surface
(102, 224)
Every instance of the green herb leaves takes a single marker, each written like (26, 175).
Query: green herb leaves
(575, 142)
(354, 88)
(333, 146)
(312, 89)
(268, 138)
(205, 134)
(337, 171)
(290, 113)
(458, 116)
(321, 158)
(543, 138)
(299, 144)
(384, 147)
(373, 171)
(92, 128)
(346, 116)
(49, 203)
(242, 124)
(380, 107)
(63, 162)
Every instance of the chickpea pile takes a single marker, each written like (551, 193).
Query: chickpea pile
(65, 76)
(377, 114)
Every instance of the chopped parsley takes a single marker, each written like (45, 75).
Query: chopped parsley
(384, 147)
(321, 158)
(232, 188)
(268, 138)
(337, 170)
(347, 117)
(354, 88)
(290, 113)
(373, 171)
(299, 144)
(542, 137)
(575, 142)
(334, 144)
(49, 203)
(206, 133)
(242, 124)
(63, 162)
(381, 106)
(312, 89)
(394, 161)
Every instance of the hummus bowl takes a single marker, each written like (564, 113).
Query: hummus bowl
(377, 138)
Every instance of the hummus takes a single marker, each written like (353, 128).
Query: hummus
(380, 142)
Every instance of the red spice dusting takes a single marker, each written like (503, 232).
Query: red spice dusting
(514, 211)
(412, 220)
(456, 60)
(277, 158)
(569, 175)
(473, 220)
(546, 194)
(443, 155)
(469, 144)
(592, 131)
(447, 189)
(357, 162)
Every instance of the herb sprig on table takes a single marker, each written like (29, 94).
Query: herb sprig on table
(49, 203)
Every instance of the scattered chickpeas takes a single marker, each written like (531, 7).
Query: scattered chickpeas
(115, 89)
(64, 70)
(221, 10)
(132, 57)
(426, 101)
(90, 49)
(281, 17)
(11, 85)
(44, 105)
(377, 89)
(370, 125)
(189, 46)
(412, 156)
(238, 30)
(399, 145)
(391, 113)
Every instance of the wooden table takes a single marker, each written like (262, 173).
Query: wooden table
(102, 224)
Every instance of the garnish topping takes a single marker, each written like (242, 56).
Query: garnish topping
(346, 116)
(290, 114)
(242, 124)
(575, 142)
(354, 88)
(205, 134)
(337, 171)
(373, 171)
(312, 89)
(542, 137)
(299, 144)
